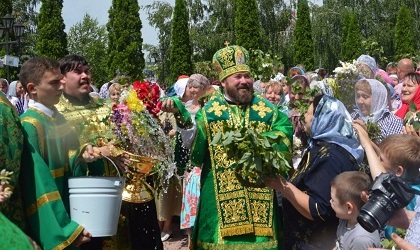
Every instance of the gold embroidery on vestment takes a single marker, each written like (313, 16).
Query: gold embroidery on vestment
(261, 108)
(217, 109)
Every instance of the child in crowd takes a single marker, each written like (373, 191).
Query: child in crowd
(346, 201)
(115, 92)
(398, 154)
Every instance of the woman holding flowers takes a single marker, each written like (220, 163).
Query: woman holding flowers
(309, 221)
(372, 109)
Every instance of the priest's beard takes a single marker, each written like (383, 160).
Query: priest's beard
(241, 94)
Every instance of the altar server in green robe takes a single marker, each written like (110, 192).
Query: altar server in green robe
(52, 155)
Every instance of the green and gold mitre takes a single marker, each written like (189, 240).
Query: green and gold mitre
(230, 60)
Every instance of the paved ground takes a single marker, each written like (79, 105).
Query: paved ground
(178, 241)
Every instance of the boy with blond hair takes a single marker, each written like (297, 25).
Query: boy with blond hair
(346, 201)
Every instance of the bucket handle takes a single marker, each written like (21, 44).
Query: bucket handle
(113, 163)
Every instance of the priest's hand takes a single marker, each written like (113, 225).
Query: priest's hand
(84, 237)
(169, 106)
(91, 153)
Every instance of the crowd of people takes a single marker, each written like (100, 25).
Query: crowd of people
(54, 125)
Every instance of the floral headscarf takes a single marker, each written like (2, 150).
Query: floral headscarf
(379, 103)
(332, 123)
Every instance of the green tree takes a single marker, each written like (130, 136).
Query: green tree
(52, 40)
(159, 15)
(247, 26)
(180, 52)
(326, 27)
(125, 39)
(303, 44)
(274, 17)
(6, 7)
(404, 30)
(352, 45)
(25, 13)
(89, 39)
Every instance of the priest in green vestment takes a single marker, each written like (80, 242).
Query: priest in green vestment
(52, 155)
(231, 215)
(11, 145)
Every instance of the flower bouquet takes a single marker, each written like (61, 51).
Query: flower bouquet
(346, 77)
(256, 156)
(138, 134)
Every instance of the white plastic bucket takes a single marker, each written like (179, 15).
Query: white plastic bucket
(95, 203)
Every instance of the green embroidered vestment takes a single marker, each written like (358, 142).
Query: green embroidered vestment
(231, 216)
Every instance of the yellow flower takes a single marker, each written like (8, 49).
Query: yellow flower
(133, 103)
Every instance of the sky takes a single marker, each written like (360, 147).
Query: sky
(74, 10)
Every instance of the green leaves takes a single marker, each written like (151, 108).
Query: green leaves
(373, 129)
(257, 156)
(413, 117)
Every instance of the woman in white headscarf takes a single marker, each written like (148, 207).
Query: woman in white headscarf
(372, 106)
(16, 89)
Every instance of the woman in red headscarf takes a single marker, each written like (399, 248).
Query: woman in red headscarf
(410, 93)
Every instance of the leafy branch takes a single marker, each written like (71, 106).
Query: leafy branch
(256, 156)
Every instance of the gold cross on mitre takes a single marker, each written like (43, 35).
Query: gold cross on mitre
(226, 43)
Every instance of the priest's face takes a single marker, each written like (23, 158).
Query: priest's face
(239, 87)
(77, 82)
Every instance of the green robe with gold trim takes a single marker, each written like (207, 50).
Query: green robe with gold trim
(90, 119)
(11, 145)
(231, 216)
(52, 156)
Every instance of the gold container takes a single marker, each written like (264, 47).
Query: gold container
(137, 190)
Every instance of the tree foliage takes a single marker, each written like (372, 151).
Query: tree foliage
(25, 13)
(404, 39)
(303, 44)
(89, 39)
(247, 26)
(180, 51)
(52, 40)
(274, 17)
(327, 30)
(352, 42)
(159, 15)
(125, 39)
